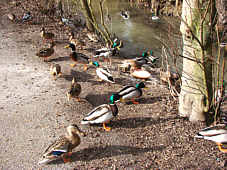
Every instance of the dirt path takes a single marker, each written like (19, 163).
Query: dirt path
(32, 106)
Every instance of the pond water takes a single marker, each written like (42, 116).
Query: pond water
(137, 33)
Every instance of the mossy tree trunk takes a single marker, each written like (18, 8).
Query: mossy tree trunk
(87, 14)
(176, 3)
(196, 90)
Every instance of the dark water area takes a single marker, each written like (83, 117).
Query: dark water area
(139, 32)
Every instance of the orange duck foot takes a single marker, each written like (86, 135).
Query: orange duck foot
(134, 102)
(106, 128)
(221, 148)
(72, 65)
(85, 67)
(65, 159)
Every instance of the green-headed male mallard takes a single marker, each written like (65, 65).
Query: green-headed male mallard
(217, 134)
(46, 52)
(117, 44)
(78, 58)
(62, 148)
(136, 63)
(55, 70)
(47, 36)
(105, 53)
(74, 91)
(26, 17)
(103, 113)
(149, 55)
(103, 73)
(130, 93)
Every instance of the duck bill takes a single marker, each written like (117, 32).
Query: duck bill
(67, 46)
(122, 100)
(83, 133)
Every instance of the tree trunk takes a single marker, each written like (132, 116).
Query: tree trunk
(196, 89)
(176, 4)
(87, 14)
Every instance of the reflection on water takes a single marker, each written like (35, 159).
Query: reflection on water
(136, 34)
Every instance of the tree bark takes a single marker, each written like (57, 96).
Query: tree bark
(196, 89)
(176, 4)
(87, 14)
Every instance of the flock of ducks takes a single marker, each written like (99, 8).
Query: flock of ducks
(102, 114)
(62, 148)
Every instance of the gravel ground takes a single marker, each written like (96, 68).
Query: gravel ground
(34, 112)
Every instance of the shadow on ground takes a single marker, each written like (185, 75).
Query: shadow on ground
(94, 153)
(102, 98)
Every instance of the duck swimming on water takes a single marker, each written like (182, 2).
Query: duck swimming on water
(125, 14)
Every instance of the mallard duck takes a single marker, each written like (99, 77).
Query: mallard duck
(137, 62)
(103, 73)
(106, 53)
(125, 14)
(93, 37)
(78, 58)
(103, 113)
(11, 17)
(46, 52)
(154, 18)
(67, 22)
(27, 16)
(74, 41)
(62, 148)
(55, 70)
(117, 44)
(46, 35)
(130, 93)
(149, 55)
(75, 90)
(217, 134)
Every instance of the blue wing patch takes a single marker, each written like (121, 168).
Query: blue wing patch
(57, 153)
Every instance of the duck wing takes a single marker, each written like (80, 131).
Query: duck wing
(101, 50)
(99, 114)
(126, 90)
(221, 138)
(81, 58)
(75, 89)
(104, 74)
(130, 92)
(213, 130)
(45, 52)
(57, 148)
